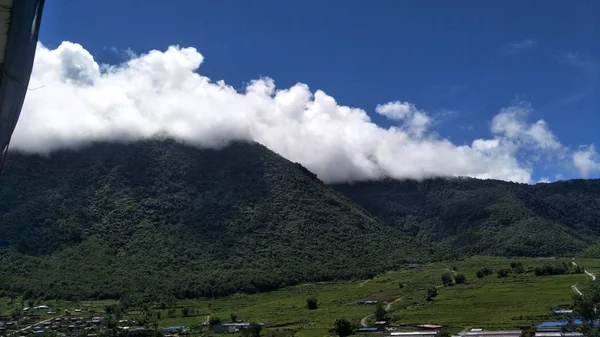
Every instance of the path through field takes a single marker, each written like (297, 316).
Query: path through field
(364, 282)
(388, 307)
(363, 321)
(574, 287)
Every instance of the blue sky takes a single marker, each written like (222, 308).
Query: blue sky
(460, 62)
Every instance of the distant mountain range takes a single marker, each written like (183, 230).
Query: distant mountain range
(471, 216)
(161, 220)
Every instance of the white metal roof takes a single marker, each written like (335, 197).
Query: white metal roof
(494, 332)
(414, 333)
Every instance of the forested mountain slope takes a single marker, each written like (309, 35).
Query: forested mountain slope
(473, 216)
(161, 219)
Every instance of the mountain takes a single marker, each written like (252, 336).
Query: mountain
(159, 219)
(471, 216)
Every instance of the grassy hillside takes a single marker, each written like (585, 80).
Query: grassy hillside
(489, 217)
(158, 219)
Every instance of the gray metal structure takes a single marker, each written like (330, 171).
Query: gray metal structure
(19, 28)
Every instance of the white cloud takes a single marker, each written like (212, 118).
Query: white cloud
(586, 160)
(163, 93)
(413, 120)
(511, 124)
(520, 46)
(396, 110)
(580, 61)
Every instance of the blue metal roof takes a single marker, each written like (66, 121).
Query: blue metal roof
(366, 329)
(558, 324)
(176, 327)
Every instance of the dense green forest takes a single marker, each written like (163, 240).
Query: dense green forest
(471, 216)
(592, 251)
(160, 220)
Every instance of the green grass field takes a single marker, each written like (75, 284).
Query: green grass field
(488, 302)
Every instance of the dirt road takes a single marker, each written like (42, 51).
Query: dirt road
(388, 307)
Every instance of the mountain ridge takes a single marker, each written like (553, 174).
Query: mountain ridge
(160, 219)
(492, 217)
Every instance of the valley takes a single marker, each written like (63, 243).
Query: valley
(489, 302)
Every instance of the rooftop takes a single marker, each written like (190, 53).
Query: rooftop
(414, 333)
(558, 334)
(497, 333)
(560, 323)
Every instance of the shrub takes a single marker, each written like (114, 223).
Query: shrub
(447, 279)
(312, 303)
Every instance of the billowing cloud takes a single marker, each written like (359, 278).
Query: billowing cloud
(511, 124)
(413, 120)
(164, 93)
(586, 160)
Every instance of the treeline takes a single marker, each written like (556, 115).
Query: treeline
(558, 269)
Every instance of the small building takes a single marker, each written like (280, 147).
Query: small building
(414, 265)
(558, 334)
(557, 325)
(380, 325)
(175, 328)
(367, 330)
(494, 333)
(367, 302)
(430, 326)
(231, 327)
(415, 333)
(563, 311)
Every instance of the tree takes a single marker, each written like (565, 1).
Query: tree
(343, 328)
(254, 329)
(460, 279)
(214, 320)
(185, 312)
(480, 274)
(502, 272)
(380, 313)
(400, 285)
(312, 303)
(431, 293)
(447, 279)
(517, 267)
(233, 317)
(584, 306)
